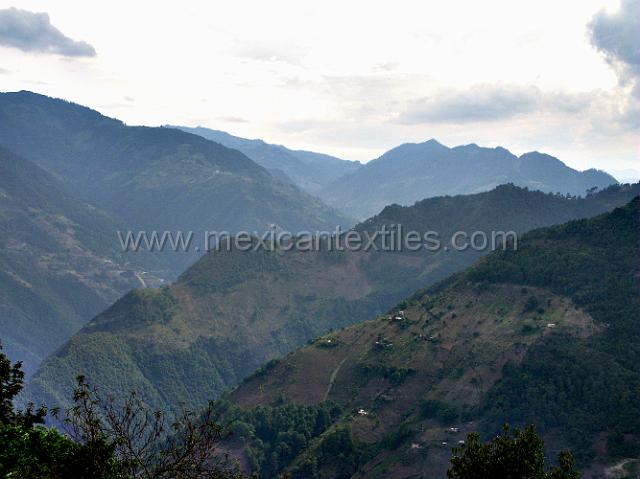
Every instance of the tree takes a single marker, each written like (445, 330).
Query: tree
(517, 454)
(30, 450)
(11, 383)
(146, 443)
(109, 439)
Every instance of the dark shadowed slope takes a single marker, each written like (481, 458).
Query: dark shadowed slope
(154, 178)
(58, 268)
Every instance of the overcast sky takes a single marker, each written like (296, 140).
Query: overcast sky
(351, 79)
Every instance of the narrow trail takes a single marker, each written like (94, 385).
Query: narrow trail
(335, 372)
(141, 279)
(332, 378)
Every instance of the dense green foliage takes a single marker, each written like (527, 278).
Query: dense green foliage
(233, 311)
(544, 335)
(273, 436)
(29, 450)
(113, 437)
(507, 207)
(591, 385)
(510, 455)
(338, 455)
(41, 453)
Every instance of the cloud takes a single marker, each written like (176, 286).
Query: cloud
(615, 35)
(386, 67)
(33, 32)
(4, 71)
(482, 103)
(232, 119)
(274, 52)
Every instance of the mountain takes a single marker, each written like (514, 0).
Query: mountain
(57, 267)
(308, 170)
(414, 171)
(154, 178)
(546, 334)
(234, 310)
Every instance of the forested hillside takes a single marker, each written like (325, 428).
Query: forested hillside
(155, 178)
(545, 335)
(58, 267)
(233, 310)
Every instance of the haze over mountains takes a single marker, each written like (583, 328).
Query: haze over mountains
(233, 311)
(80, 178)
(547, 334)
(413, 171)
(154, 178)
(58, 266)
(310, 171)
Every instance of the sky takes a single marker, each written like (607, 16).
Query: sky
(351, 79)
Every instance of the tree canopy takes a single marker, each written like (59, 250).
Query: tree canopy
(513, 454)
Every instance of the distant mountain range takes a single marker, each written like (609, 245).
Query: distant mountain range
(71, 178)
(414, 171)
(546, 335)
(154, 178)
(411, 172)
(233, 311)
(308, 170)
(58, 267)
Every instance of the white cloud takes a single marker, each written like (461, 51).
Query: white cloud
(232, 119)
(267, 51)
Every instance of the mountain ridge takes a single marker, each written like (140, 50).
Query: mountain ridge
(531, 335)
(154, 178)
(308, 170)
(180, 344)
(412, 171)
(58, 268)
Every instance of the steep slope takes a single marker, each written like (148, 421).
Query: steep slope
(414, 171)
(310, 171)
(57, 267)
(154, 178)
(546, 334)
(232, 311)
